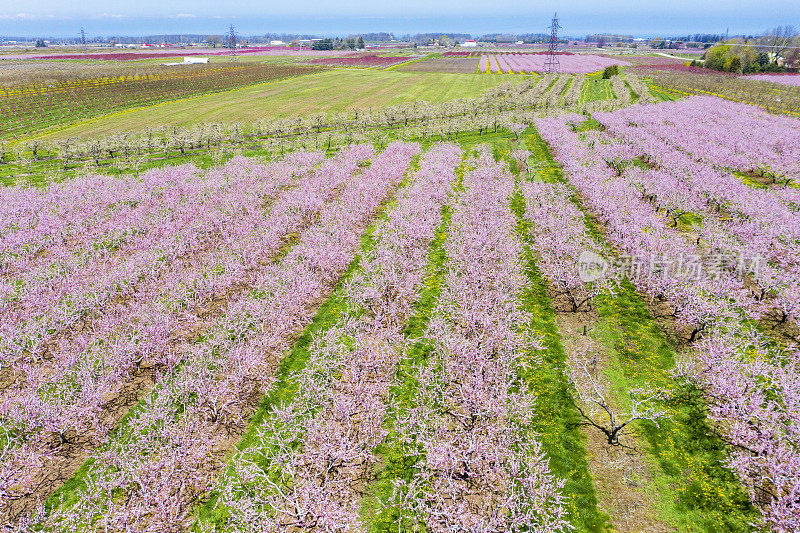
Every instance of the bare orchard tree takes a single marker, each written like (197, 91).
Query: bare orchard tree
(597, 411)
(778, 41)
(66, 151)
(33, 147)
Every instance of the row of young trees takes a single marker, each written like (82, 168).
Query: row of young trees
(496, 108)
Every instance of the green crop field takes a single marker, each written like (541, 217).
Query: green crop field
(326, 92)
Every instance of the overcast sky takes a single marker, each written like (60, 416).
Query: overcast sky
(578, 17)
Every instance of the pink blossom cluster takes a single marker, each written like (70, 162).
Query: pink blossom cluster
(762, 222)
(76, 248)
(727, 134)
(480, 467)
(559, 239)
(635, 228)
(502, 65)
(171, 446)
(571, 64)
(86, 250)
(314, 454)
(752, 391)
(64, 394)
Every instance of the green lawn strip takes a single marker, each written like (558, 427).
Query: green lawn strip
(328, 92)
(747, 180)
(694, 490)
(662, 93)
(546, 168)
(295, 360)
(42, 173)
(634, 96)
(589, 124)
(596, 88)
(776, 184)
(568, 85)
(405, 63)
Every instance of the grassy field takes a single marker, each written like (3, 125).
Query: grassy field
(327, 92)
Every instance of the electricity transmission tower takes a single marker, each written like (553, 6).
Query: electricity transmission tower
(83, 40)
(232, 42)
(551, 63)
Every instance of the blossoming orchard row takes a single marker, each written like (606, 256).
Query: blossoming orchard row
(186, 422)
(726, 134)
(63, 387)
(330, 429)
(150, 324)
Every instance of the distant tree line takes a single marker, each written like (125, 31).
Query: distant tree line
(608, 38)
(350, 43)
(777, 50)
(700, 38)
(514, 37)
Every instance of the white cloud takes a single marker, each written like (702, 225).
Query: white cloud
(185, 16)
(19, 16)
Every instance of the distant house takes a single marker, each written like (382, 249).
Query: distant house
(189, 61)
(276, 43)
(470, 43)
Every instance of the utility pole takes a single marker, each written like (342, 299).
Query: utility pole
(232, 42)
(551, 63)
(83, 39)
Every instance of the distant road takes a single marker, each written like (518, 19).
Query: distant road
(676, 57)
